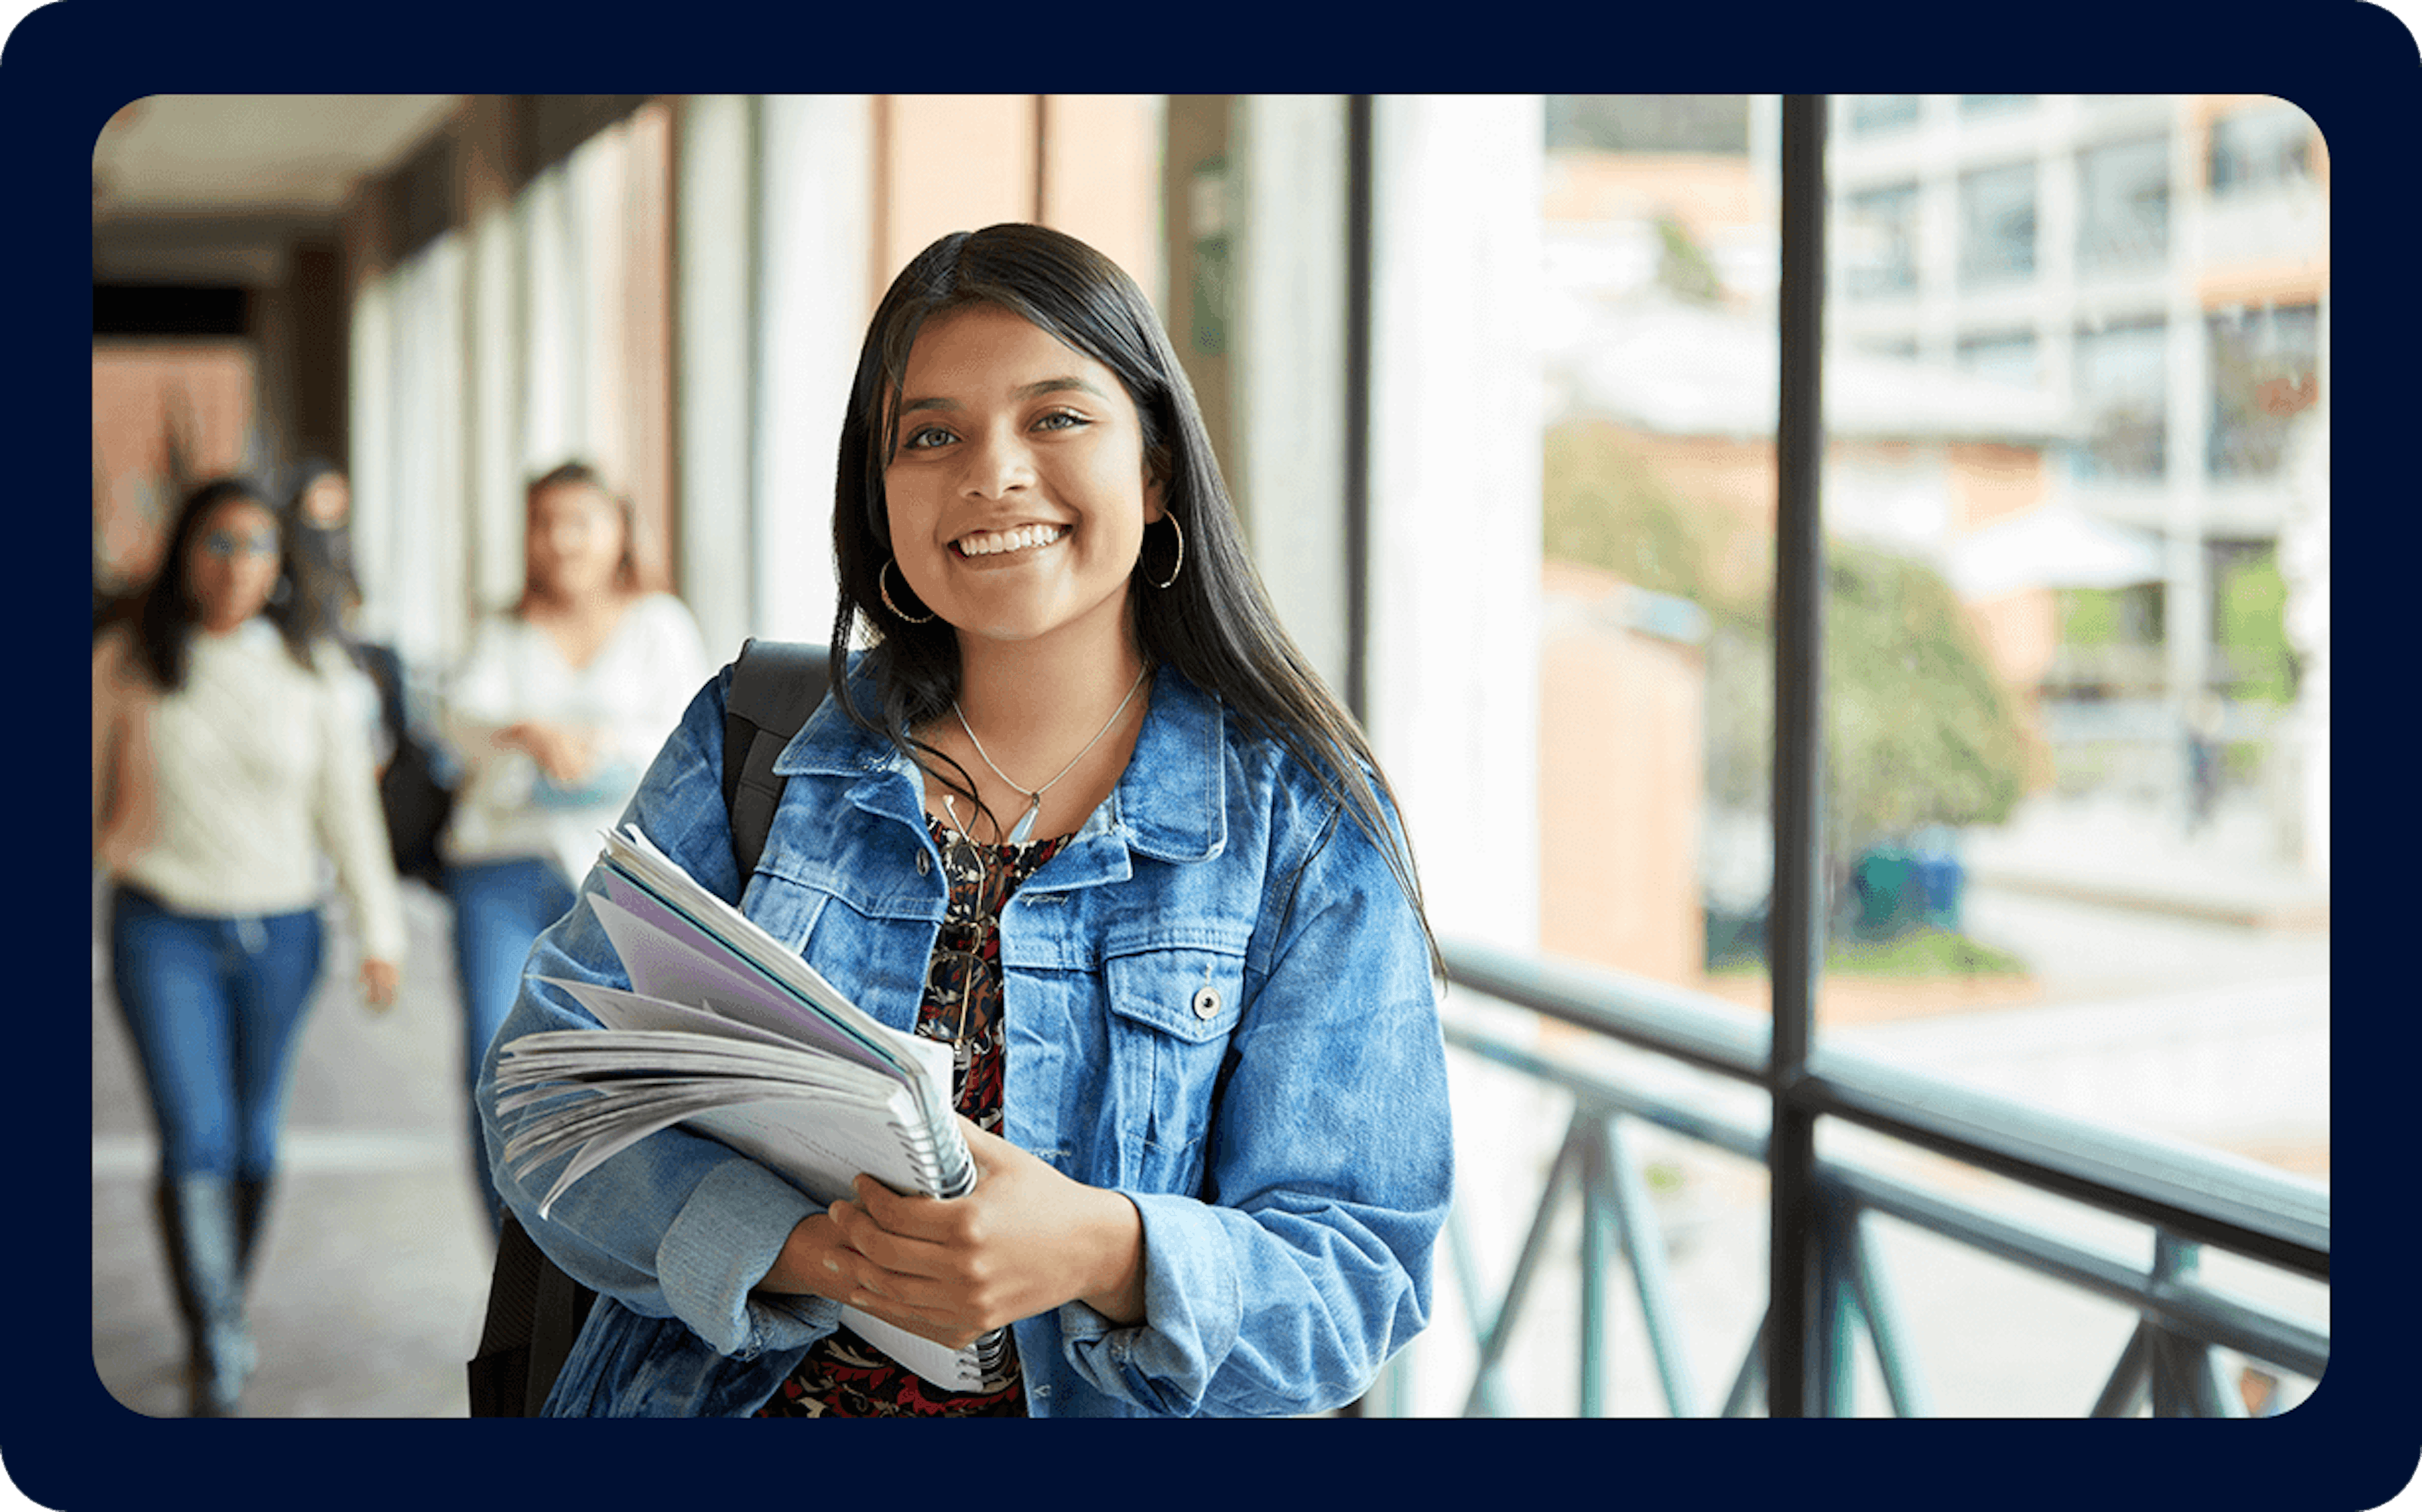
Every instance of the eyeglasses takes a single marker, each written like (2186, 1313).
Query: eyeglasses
(225, 543)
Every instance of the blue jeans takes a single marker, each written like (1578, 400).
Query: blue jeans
(213, 1003)
(499, 909)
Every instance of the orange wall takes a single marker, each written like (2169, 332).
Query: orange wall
(1101, 178)
(1705, 191)
(949, 162)
(2020, 632)
(1621, 741)
(1086, 164)
(140, 389)
(1992, 482)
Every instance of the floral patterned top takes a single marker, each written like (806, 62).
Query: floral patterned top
(843, 1376)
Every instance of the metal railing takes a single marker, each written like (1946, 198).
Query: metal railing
(2188, 1197)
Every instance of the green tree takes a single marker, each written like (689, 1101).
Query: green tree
(1605, 507)
(1919, 729)
(2252, 626)
(1683, 266)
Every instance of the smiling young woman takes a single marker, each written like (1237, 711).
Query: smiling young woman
(1017, 496)
(1076, 807)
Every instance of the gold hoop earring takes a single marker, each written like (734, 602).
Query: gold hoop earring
(884, 590)
(1179, 566)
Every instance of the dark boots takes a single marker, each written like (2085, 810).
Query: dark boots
(251, 1207)
(206, 1238)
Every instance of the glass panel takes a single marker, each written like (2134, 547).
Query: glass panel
(1997, 223)
(2004, 356)
(2123, 193)
(1656, 731)
(1647, 123)
(2265, 364)
(1873, 113)
(2072, 856)
(1876, 241)
(2077, 744)
(2121, 376)
(2272, 146)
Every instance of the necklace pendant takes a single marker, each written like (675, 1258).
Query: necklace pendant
(1024, 830)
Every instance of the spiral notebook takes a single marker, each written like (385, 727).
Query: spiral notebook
(725, 1032)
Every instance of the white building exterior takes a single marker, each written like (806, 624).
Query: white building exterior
(2132, 256)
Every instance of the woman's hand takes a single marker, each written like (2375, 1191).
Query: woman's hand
(380, 979)
(566, 754)
(1024, 1242)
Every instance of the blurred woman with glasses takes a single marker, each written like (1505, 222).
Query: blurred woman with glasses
(228, 757)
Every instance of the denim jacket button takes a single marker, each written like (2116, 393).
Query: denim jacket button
(1206, 1002)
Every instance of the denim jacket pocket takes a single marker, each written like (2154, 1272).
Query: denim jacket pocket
(1172, 1011)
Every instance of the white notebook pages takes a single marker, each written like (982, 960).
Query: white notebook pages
(728, 1034)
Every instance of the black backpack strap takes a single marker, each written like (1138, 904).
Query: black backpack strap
(501, 1371)
(561, 1307)
(774, 686)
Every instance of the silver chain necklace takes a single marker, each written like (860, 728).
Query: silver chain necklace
(1024, 830)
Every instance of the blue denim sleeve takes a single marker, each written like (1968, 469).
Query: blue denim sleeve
(1332, 1165)
(677, 1225)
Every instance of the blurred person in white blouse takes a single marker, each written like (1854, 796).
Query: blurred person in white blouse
(228, 758)
(553, 716)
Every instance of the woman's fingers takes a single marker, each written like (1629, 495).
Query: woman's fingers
(883, 1238)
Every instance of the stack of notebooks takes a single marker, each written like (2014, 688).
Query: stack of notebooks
(728, 1034)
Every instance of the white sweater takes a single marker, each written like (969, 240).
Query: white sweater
(632, 693)
(255, 768)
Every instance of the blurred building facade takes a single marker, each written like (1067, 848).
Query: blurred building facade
(2074, 345)
(2159, 264)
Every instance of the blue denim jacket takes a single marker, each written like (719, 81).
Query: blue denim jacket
(1283, 1134)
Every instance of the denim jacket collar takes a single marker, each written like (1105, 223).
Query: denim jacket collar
(1169, 804)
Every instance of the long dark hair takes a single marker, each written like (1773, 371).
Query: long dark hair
(1213, 623)
(320, 555)
(165, 620)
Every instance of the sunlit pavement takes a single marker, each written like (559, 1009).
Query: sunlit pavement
(367, 1294)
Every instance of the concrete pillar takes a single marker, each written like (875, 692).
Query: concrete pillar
(549, 424)
(494, 356)
(645, 323)
(2187, 596)
(368, 238)
(496, 359)
(1285, 463)
(714, 263)
(814, 190)
(1455, 460)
